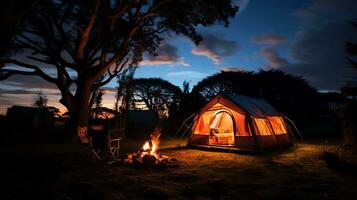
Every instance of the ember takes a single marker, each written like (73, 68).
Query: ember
(147, 156)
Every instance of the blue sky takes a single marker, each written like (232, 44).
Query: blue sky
(268, 34)
(304, 38)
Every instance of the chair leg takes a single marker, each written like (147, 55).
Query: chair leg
(96, 155)
(114, 151)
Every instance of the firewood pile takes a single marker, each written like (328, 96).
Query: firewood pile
(149, 161)
(147, 156)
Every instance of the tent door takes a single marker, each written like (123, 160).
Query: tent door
(222, 128)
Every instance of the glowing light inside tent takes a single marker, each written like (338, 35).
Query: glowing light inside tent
(263, 126)
(277, 124)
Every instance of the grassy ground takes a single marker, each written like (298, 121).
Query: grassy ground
(60, 172)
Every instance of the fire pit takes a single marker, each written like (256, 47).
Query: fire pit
(148, 157)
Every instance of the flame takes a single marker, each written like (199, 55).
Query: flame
(151, 146)
(146, 146)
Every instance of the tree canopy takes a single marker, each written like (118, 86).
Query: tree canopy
(155, 94)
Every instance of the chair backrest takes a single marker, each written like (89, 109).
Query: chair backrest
(83, 135)
(99, 127)
(98, 135)
(116, 133)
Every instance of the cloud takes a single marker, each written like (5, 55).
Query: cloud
(269, 39)
(187, 74)
(21, 81)
(21, 90)
(231, 69)
(30, 92)
(273, 58)
(319, 45)
(242, 4)
(215, 48)
(4, 91)
(166, 54)
(111, 91)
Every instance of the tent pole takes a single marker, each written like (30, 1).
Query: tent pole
(297, 130)
(187, 128)
(184, 123)
(292, 138)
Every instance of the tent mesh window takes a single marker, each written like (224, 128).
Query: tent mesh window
(263, 126)
(277, 124)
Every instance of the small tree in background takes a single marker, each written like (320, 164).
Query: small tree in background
(55, 111)
(123, 96)
(40, 100)
(96, 102)
(99, 99)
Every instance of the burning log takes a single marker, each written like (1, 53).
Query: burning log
(147, 156)
(149, 161)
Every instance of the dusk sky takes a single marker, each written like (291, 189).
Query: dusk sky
(304, 38)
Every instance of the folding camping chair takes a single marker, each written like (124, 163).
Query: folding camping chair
(85, 140)
(102, 144)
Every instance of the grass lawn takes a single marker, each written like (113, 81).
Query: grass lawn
(60, 172)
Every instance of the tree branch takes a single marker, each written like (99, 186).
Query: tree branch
(118, 12)
(37, 71)
(113, 74)
(86, 33)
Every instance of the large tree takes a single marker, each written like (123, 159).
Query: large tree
(154, 94)
(88, 43)
(12, 13)
(234, 82)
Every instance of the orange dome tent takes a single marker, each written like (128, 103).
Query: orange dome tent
(240, 122)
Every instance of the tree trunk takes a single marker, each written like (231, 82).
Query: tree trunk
(79, 110)
(349, 127)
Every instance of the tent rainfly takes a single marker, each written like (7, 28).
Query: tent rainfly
(241, 122)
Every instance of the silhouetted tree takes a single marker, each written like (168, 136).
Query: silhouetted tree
(289, 94)
(55, 111)
(124, 89)
(155, 94)
(100, 38)
(349, 128)
(40, 100)
(349, 91)
(189, 103)
(123, 96)
(12, 14)
(351, 49)
(103, 112)
(97, 99)
(238, 82)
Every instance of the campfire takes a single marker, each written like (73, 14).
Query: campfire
(147, 156)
